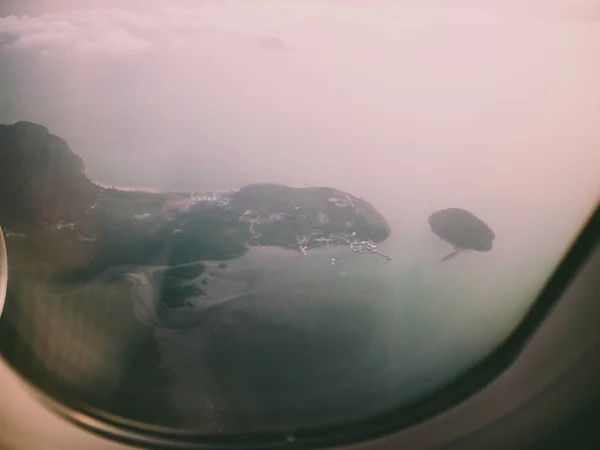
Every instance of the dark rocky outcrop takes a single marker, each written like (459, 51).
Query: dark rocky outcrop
(461, 229)
(41, 179)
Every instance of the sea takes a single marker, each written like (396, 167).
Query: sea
(285, 341)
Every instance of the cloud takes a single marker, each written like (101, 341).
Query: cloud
(65, 34)
(271, 43)
(118, 33)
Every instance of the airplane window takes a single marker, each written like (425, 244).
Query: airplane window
(254, 217)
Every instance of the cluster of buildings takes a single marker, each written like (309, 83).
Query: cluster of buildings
(182, 203)
(365, 246)
(356, 245)
(344, 201)
(360, 246)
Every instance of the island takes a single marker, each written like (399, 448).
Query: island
(54, 214)
(461, 229)
(111, 292)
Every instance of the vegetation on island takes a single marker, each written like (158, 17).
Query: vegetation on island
(79, 229)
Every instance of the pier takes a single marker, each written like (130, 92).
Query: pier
(377, 252)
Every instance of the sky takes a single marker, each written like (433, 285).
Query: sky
(489, 105)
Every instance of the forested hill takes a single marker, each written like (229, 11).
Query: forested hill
(53, 213)
(41, 179)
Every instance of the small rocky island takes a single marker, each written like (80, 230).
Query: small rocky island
(461, 229)
(53, 214)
